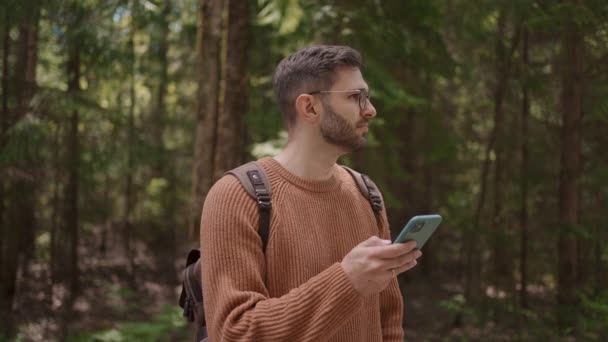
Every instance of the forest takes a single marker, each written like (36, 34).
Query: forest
(117, 116)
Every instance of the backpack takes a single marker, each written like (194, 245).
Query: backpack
(253, 179)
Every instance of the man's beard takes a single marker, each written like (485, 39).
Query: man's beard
(339, 132)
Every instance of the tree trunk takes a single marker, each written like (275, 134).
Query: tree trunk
(504, 55)
(25, 81)
(572, 113)
(25, 64)
(158, 114)
(584, 247)
(6, 45)
(599, 266)
(20, 216)
(429, 256)
(410, 127)
(473, 271)
(55, 249)
(17, 232)
(425, 176)
(523, 217)
(7, 289)
(498, 233)
(209, 67)
(230, 142)
(6, 48)
(71, 219)
(129, 192)
(164, 232)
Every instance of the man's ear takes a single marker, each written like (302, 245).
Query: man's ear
(305, 108)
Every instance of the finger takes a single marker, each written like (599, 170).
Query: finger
(375, 241)
(403, 260)
(392, 251)
(406, 267)
(408, 243)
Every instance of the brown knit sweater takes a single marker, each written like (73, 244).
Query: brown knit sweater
(297, 291)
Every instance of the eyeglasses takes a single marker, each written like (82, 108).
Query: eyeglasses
(362, 95)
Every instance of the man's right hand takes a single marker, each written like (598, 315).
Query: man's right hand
(370, 265)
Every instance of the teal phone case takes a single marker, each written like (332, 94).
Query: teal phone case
(419, 228)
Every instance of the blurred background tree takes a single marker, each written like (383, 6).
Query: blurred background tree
(118, 115)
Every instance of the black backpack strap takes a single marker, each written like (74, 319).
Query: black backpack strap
(254, 181)
(369, 190)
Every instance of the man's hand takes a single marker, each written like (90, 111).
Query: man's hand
(370, 265)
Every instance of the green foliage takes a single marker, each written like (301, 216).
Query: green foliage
(169, 325)
(153, 206)
(126, 297)
(457, 305)
(270, 148)
(42, 246)
(23, 141)
(534, 324)
(594, 322)
(283, 15)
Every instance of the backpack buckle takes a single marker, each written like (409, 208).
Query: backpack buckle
(264, 201)
(376, 202)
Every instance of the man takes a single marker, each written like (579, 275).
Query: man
(325, 274)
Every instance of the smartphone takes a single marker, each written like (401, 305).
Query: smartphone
(419, 228)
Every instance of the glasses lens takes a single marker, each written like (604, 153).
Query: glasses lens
(363, 97)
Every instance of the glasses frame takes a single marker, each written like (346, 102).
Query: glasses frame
(363, 93)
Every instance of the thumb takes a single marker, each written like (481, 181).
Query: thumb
(375, 241)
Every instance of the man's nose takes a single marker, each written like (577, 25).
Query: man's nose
(369, 111)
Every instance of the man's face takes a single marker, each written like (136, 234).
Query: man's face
(337, 130)
(343, 122)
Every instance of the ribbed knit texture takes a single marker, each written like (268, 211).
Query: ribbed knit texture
(297, 291)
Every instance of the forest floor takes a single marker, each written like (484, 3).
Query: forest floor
(112, 299)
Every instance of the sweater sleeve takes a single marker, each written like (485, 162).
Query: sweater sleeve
(236, 300)
(391, 301)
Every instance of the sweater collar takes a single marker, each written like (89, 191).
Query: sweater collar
(277, 169)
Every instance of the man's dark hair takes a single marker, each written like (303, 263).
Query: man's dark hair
(310, 69)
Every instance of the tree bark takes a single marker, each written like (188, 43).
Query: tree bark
(473, 273)
(523, 216)
(19, 216)
(71, 218)
(129, 192)
(55, 249)
(25, 65)
(7, 289)
(159, 112)
(572, 114)
(426, 176)
(17, 245)
(429, 257)
(6, 48)
(498, 230)
(164, 229)
(599, 267)
(25, 86)
(502, 257)
(209, 68)
(230, 141)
